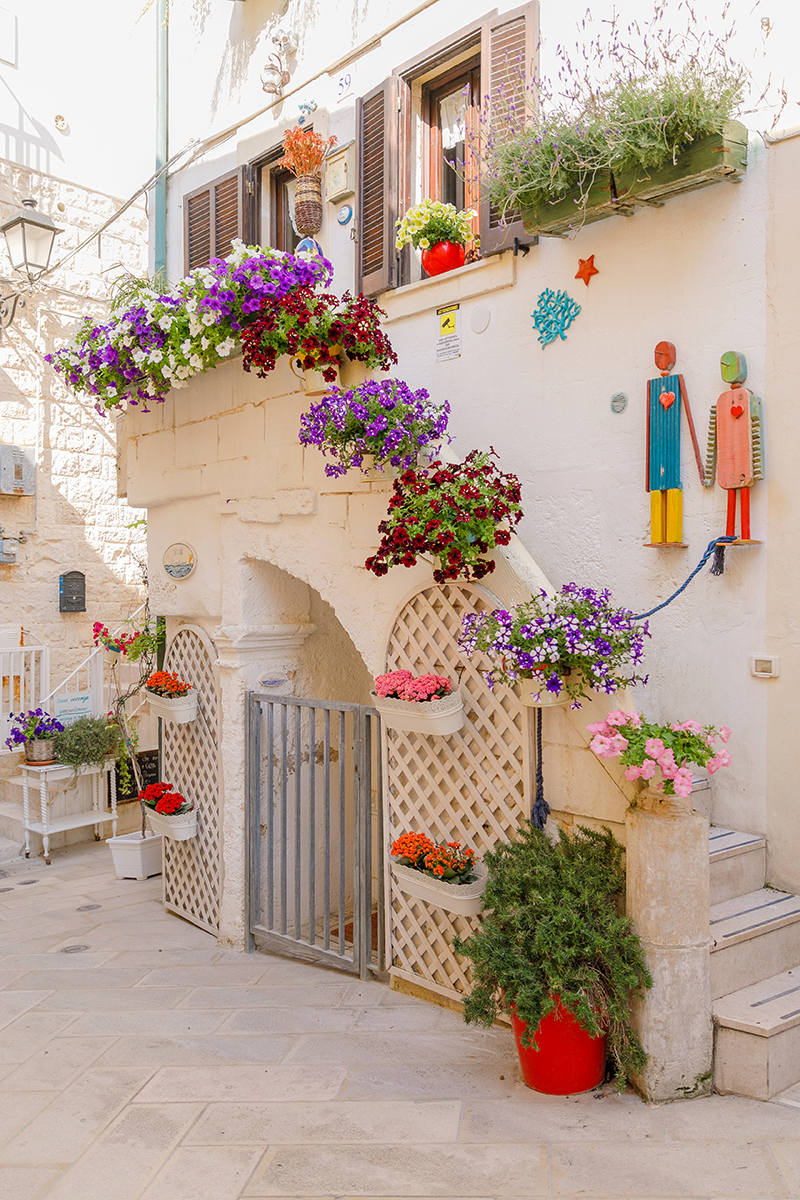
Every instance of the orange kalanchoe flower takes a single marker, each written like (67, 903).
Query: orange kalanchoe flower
(168, 684)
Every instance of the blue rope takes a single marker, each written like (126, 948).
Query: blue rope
(712, 547)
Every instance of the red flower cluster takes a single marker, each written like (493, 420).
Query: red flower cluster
(314, 329)
(167, 683)
(451, 513)
(160, 796)
(449, 861)
(411, 848)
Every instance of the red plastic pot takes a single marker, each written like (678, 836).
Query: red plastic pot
(568, 1059)
(444, 256)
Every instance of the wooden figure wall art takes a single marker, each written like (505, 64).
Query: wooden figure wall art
(736, 443)
(666, 397)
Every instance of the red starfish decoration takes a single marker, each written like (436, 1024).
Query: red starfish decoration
(586, 269)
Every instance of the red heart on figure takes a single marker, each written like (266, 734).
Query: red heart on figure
(667, 398)
(736, 410)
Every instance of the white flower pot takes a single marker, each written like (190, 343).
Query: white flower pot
(316, 384)
(136, 857)
(527, 690)
(180, 827)
(111, 657)
(464, 899)
(173, 708)
(422, 716)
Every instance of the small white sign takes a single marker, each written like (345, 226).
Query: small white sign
(448, 343)
(68, 708)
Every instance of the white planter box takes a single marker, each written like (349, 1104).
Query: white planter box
(136, 857)
(527, 689)
(422, 716)
(464, 899)
(180, 827)
(178, 708)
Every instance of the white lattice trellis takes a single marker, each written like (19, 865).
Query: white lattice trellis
(472, 786)
(192, 869)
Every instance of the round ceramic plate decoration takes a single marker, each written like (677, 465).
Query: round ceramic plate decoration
(179, 560)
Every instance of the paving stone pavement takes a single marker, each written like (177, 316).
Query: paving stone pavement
(154, 1065)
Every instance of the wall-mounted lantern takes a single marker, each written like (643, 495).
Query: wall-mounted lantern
(29, 238)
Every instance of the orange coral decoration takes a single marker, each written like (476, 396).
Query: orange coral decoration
(304, 151)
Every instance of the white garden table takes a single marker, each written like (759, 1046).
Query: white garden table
(46, 775)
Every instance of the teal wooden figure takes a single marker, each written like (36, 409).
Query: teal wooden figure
(666, 398)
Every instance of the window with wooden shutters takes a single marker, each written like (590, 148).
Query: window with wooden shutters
(380, 178)
(213, 217)
(509, 49)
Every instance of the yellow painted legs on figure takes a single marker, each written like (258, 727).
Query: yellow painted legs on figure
(666, 517)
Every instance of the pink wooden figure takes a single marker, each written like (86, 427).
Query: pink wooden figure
(735, 442)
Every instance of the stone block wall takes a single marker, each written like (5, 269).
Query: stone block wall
(76, 521)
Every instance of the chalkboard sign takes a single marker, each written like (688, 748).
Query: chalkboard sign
(148, 766)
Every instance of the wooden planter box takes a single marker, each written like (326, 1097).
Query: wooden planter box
(723, 156)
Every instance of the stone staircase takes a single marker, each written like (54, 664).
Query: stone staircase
(755, 971)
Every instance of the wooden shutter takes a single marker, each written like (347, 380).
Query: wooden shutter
(379, 175)
(509, 58)
(213, 217)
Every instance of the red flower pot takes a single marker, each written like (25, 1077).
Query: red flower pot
(444, 256)
(568, 1060)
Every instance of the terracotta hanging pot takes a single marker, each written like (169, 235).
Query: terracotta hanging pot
(444, 256)
(308, 205)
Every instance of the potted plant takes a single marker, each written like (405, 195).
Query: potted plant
(35, 730)
(428, 704)
(440, 231)
(171, 698)
(169, 813)
(554, 953)
(455, 513)
(315, 329)
(665, 751)
(377, 424)
(156, 340)
(86, 742)
(113, 644)
(566, 645)
(658, 124)
(447, 875)
(303, 154)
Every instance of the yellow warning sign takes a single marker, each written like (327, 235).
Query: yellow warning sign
(448, 344)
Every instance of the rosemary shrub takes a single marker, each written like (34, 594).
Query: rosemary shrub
(86, 742)
(552, 928)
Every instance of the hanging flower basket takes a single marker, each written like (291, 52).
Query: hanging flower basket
(179, 709)
(308, 205)
(445, 715)
(464, 899)
(179, 827)
(708, 160)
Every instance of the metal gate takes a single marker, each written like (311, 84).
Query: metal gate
(315, 831)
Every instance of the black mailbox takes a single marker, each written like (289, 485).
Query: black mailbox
(72, 592)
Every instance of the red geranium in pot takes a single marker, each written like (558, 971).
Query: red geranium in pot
(554, 953)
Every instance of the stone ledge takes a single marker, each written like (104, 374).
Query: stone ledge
(477, 279)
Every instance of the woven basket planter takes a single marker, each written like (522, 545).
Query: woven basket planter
(173, 708)
(308, 205)
(465, 899)
(422, 716)
(39, 752)
(179, 827)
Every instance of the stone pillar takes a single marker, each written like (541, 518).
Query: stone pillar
(249, 659)
(668, 902)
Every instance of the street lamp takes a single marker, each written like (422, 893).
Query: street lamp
(29, 238)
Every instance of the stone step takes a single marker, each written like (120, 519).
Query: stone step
(738, 863)
(753, 937)
(757, 1037)
(10, 850)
